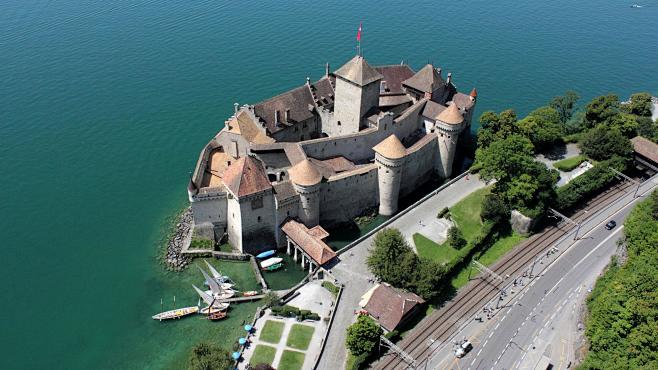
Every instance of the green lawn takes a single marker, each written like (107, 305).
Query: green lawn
(466, 214)
(427, 248)
(271, 332)
(263, 355)
(291, 360)
(331, 287)
(300, 336)
(489, 257)
(569, 164)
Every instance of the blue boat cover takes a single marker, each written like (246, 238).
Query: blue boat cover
(266, 254)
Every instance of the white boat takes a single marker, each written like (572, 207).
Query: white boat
(219, 307)
(270, 261)
(176, 314)
(221, 279)
(211, 299)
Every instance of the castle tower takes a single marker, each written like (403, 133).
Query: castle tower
(357, 92)
(389, 157)
(306, 181)
(449, 124)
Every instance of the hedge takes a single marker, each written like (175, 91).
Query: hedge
(588, 183)
(291, 311)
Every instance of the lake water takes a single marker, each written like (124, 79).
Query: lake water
(105, 105)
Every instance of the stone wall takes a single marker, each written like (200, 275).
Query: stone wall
(419, 164)
(347, 195)
(300, 131)
(210, 209)
(258, 222)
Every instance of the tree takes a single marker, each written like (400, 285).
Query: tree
(564, 105)
(601, 109)
(363, 336)
(496, 126)
(428, 277)
(646, 127)
(542, 127)
(389, 248)
(209, 356)
(654, 206)
(456, 238)
(601, 143)
(271, 299)
(626, 123)
(494, 209)
(640, 105)
(505, 159)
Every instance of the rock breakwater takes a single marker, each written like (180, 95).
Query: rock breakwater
(174, 259)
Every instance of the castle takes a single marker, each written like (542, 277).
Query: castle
(360, 137)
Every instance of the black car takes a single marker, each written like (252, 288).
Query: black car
(610, 225)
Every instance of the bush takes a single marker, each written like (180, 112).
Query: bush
(588, 183)
(363, 336)
(494, 209)
(359, 361)
(442, 213)
(209, 356)
(455, 238)
(271, 299)
(569, 164)
(291, 311)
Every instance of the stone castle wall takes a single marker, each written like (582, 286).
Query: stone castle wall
(419, 164)
(347, 195)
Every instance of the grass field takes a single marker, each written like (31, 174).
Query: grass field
(300, 336)
(271, 332)
(330, 287)
(263, 355)
(291, 360)
(427, 248)
(489, 257)
(569, 164)
(466, 214)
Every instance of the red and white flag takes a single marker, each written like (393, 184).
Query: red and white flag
(358, 33)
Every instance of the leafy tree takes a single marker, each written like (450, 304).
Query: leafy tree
(654, 206)
(363, 336)
(456, 238)
(601, 110)
(209, 356)
(601, 143)
(542, 127)
(564, 105)
(496, 126)
(494, 209)
(640, 105)
(385, 258)
(505, 159)
(575, 124)
(271, 299)
(626, 123)
(428, 278)
(646, 127)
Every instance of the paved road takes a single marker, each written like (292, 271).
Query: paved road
(351, 269)
(525, 330)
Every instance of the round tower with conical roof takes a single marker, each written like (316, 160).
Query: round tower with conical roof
(449, 124)
(389, 157)
(306, 180)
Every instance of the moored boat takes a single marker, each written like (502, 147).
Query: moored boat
(266, 254)
(270, 262)
(273, 267)
(216, 316)
(176, 314)
(217, 307)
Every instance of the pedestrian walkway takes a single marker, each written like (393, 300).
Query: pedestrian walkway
(351, 269)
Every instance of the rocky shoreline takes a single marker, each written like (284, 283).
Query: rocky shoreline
(174, 259)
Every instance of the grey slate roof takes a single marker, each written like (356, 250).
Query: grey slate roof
(426, 80)
(297, 100)
(394, 75)
(432, 109)
(358, 71)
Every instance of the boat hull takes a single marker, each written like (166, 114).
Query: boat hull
(176, 314)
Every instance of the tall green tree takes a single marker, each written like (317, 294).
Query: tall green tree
(504, 159)
(543, 127)
(601, 110)
(564, 105)
(646, 127)
(601, 143)
(496, 126)
(388, 249)
(363, 336)
(456, 238)
(494, 209)
(640, 104)
(209, 356)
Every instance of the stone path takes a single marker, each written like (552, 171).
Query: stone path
(351, 269)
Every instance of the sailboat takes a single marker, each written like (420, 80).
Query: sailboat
(219, 278)
(213, 305)
(216, 290)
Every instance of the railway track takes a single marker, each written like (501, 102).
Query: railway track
(443, 322)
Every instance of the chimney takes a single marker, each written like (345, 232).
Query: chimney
(276, 117)
(286, 117)
(326, 69)
(449, 80)
(308, 81)
(438, 70)
(235, 107)
(382, 87)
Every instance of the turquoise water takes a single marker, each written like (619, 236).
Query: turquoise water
(104, 106)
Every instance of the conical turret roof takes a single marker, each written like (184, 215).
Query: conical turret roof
(391, 148)
(357, 70)
(304, 173)
(451, 115)
(474, 93)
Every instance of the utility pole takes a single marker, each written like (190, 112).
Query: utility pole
(484, 269)
(629, 179)
(404, 355)
(567, 219)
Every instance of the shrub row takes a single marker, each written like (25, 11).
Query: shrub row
(588, 183)
(291, 311)
(330, 287)
(443, 212)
